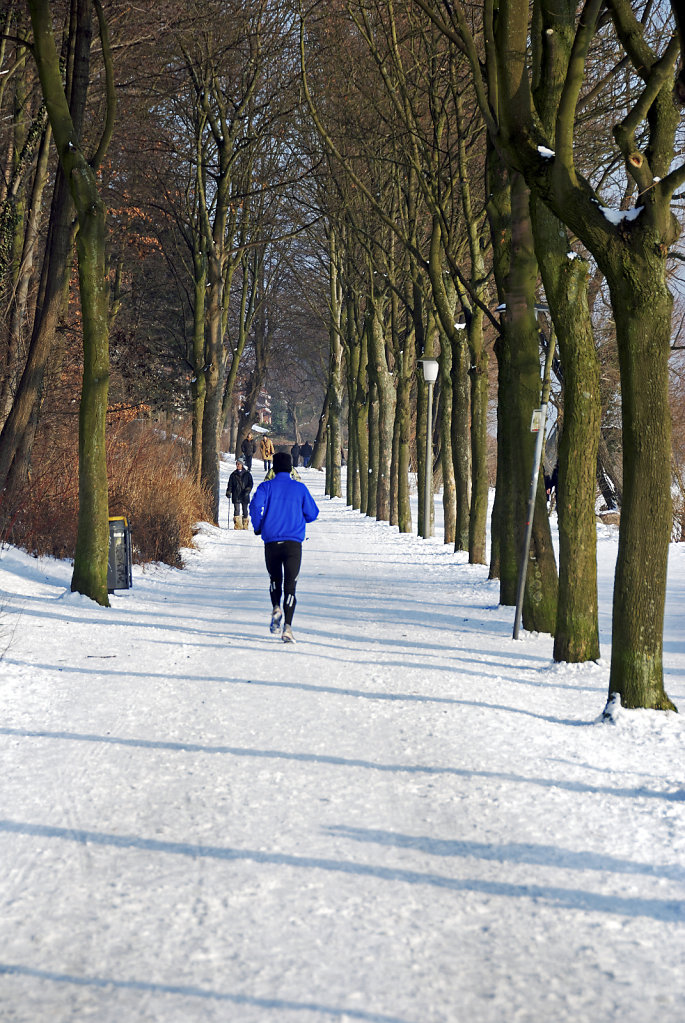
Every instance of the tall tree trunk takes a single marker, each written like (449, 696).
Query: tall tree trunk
(382, 380)
(353, 348)
(361, 420)
(577, 630)
(540, 598)
(504, 554)
(454, 404)
(22, 312)
(576, 636)
(642, 306)
(422, 347)
(92, 544)
(449, 489)
(479, 441)
(56, 261)
(198, 383)
(335, 371)
(373, 455)
(407, 371)
(90, 558)
(460, 439)
(214, 379)
(478, 370)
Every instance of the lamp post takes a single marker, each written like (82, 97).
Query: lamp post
(430, 369)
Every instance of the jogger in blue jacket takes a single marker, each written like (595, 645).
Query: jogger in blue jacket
(280, 511)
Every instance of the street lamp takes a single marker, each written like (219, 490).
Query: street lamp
(430, 369)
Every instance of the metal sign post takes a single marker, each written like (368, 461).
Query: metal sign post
(537, 426)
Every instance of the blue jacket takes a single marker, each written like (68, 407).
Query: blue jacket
(281, 508)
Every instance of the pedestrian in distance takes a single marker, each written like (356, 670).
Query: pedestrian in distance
(266, 451)
(247, 448)
(295, 454)
(280, 511)
(306, 452)
(239, 488)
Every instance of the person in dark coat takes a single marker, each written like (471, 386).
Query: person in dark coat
(280, 511)
(295, 454)
(247, 448)
(239, 488)
(306, 451)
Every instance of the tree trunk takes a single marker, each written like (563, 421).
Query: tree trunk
(460, 440)
(384, 385)
(335, 373)
(504, 554)
(449, 489)
(198, 384)
(540, 598)
(407, 370)
(505, 546)
(642, 307)
(213, 373)
(478, 371)
(372, 426)
(92, 544)
(90, 557)
(478, 374)
(55, 268)
(577, 630)
(352, 370)
(421, 348)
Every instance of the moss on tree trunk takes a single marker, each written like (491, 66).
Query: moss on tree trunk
(90, 557)
(576, 637)
(642, 307)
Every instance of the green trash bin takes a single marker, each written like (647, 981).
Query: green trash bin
(120, 559)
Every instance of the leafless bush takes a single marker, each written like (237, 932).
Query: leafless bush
(149, 483)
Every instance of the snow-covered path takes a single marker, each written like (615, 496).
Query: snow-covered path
(405, 818)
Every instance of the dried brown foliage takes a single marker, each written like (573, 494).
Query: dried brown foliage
(149, 482)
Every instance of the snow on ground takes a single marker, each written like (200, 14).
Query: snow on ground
(406, 818)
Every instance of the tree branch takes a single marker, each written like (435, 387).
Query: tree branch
(111, 97)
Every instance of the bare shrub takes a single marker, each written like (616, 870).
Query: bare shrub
(149, 483)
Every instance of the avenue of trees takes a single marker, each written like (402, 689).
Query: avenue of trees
(201, 201)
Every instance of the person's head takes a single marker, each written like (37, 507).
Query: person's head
(282, 462)
(239, 464)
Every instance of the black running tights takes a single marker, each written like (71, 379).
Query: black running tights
(283, 560)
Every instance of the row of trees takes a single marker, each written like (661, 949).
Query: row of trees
(394, 179)
(515, 98)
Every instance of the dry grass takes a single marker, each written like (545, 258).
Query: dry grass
(149, 482)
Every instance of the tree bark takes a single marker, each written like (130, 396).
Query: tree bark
(576, 636)
(540, 598)
(504, 554)
(335, 371)
(92, 544)
(381, 377)
(642, 307)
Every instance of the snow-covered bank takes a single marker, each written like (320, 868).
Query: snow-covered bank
(407, 817)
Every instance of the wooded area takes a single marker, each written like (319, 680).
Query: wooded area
(201, 202)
